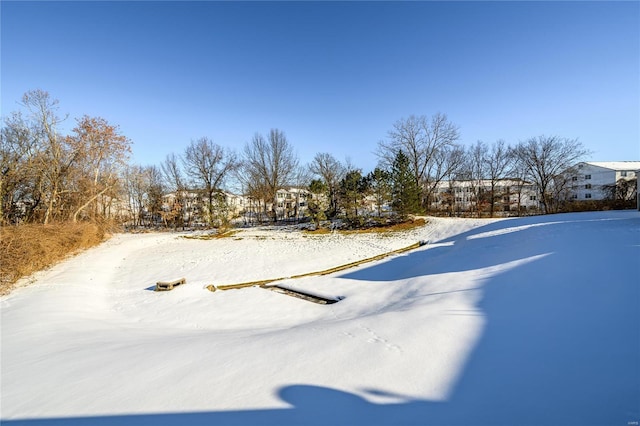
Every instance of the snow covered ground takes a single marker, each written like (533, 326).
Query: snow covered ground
(515, 321)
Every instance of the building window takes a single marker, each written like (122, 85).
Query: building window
(587, 196)
(623, 174)
(587, 176)
(532, 197)
(574, 196)
(587, 186)
(574, 178)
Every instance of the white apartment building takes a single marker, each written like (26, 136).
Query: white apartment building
(592, 178)
(510, 195)
(292, 202)
(191, 205)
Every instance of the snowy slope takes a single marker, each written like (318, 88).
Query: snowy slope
(515, 321)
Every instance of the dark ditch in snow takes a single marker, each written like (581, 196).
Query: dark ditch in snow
(302, 295)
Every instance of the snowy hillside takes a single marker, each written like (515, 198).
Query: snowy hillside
(515, 321)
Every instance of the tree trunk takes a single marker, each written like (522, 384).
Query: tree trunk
(82, 207)
(54, 194)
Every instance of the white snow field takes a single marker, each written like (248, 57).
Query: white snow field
(494, 322)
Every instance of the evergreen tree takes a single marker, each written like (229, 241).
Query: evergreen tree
(353, 189)
(379, 182)
(315, 204)
(405, 191)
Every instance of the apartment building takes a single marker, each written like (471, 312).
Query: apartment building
(594, 180)
(509, 195)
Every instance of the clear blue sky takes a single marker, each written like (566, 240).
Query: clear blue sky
(334, 76)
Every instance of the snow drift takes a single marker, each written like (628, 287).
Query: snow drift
(514, 321)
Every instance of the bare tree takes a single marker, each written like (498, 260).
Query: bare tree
(172, 173)
(174, 181)
(269, 165)
(50, 176)
(517, 171)
(301, 181)
(19, 178)
(155, 190)
(446, 163)
(423, 140)
(102, 152)
(331, 171)
(208, 164)
(56, 159)
(474, 171)
(498, 162)
(548, 161)
(409, 136)
(136, 190)
(622, 190)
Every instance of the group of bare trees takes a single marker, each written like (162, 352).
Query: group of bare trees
(434, 154)
(548, 162)
(47, 176)
(195, 180)
(268, 165)
(205, 168)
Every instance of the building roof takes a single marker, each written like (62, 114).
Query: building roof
(616, 165)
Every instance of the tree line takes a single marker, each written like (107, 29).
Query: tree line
(48, 176)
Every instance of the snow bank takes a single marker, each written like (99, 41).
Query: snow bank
(514, 321)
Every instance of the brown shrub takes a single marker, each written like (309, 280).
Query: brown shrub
(25, 249)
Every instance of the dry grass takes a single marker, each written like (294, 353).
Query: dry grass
(396, 227)
(26, 249)
(212, 236)
(318, 231)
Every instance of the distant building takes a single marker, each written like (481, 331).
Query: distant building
(292, 203)
(237, 203)
(510, 195)
(595, 180)
(190, 206)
